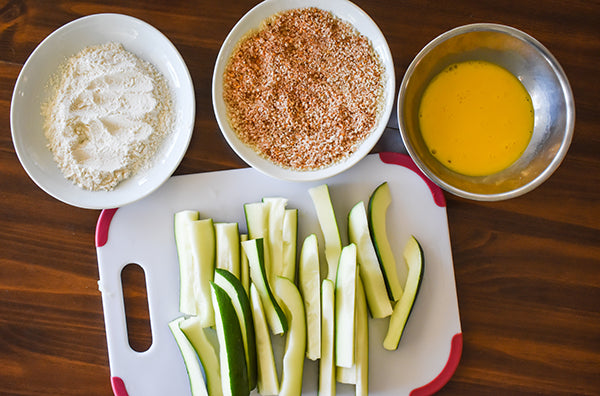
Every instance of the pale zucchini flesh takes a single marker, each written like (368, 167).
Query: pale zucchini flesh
(369, 269)
(345, 307)
(244, 268)
(202, 240)
(358, 374)
(379, 203)
(413, 256)
(295, 341)
(206, 350)
(275, 217)
(227, 239)
(290, 242)
(187, 270)
(362, 342)
(327, 362)
(309, 280)
(257, 218)
(257, 221)
(190, 359)
(346, 375)
(267, 380)
(329, 227)
(254, 249)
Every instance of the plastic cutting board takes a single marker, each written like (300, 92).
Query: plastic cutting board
(142, 233)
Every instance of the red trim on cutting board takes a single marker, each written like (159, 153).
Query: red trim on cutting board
(407, 162)
(103, 225)
(118, 386)
(447, 372)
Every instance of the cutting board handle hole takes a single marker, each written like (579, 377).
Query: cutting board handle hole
(135, 299)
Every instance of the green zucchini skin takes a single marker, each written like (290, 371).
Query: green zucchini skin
(190, 359)
(255, 251)
(379, 203)
(369, 267)
(295, 342)
(234, 373)
(414, 257)
(420, 282)
(225, 278)
(206, 350)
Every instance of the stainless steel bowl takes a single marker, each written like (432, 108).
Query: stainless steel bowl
(537, 70)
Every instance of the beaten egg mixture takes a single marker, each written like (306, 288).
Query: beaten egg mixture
(476, 118)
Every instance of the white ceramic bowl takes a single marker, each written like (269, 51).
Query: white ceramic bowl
(31, 91)
(344, 10)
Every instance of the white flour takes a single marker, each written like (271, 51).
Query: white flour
(109, 114)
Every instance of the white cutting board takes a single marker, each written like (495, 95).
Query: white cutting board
(142, 233)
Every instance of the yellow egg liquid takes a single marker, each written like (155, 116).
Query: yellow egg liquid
(476, 118)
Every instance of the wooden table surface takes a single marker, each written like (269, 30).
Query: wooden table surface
(527, 269)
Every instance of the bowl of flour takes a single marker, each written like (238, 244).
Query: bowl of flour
(103, 111)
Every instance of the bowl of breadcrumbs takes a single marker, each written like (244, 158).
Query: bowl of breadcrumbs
(302, 90)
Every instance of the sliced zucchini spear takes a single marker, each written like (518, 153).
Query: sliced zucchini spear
(276, 213)
(267, 381)
(378, 205)
(295, 341)
(257, 221)
(327, 361)
(190, 359)
(234, 373)
(244, 268)
(290, 242)
(346, 375)
(227, 238)
(309, 280)
(369, 269)
(187, 270)
(202, 240)
(362, 342)
(233, 287)
(413, 255)
(345, 307)
(358, 374)
(329, 227)
(207, 352)
(254, 249)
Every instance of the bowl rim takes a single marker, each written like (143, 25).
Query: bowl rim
(248, 155)
(565, 89)
(180, 137)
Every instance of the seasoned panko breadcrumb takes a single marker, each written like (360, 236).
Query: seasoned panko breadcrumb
(304, 90)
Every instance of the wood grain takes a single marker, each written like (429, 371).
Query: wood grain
(527, 269)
